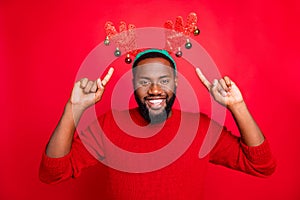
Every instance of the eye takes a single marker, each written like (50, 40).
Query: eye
(144, 82)
(164, 81)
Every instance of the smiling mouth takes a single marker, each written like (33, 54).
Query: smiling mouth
(155, 104)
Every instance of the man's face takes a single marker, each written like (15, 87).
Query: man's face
(155, 85)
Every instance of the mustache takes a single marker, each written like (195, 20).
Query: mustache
(144, 111)
(153, 97)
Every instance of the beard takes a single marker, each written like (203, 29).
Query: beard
(155, 118)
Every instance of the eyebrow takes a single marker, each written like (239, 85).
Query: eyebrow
(164, 76)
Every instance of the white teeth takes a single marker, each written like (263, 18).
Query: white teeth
(156, 101)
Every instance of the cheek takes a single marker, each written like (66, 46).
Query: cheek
(169, 89)
(140, 92)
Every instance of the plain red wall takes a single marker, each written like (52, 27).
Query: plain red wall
(42, 46)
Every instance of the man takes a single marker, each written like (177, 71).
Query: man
(155, 83)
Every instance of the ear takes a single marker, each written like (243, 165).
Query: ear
(176, 80)
(133, 83)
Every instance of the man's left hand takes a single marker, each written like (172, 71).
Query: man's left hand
(224, 90)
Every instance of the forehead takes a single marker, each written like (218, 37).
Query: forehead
(154, 67)
(153, 60)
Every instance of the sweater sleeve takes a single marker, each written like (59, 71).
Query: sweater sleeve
(231, 152)
(54, 170)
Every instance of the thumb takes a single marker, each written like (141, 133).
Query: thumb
(100, 90)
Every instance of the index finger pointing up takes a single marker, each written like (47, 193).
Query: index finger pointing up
(203, 79)
(108, 76)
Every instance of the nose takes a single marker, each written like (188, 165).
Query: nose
(155, 89)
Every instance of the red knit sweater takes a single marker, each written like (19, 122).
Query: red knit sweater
(182, 179)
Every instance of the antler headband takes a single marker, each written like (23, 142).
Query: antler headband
(177, 34)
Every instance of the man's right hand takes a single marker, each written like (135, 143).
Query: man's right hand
(86, 93)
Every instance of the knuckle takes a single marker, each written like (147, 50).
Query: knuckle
(83, 79)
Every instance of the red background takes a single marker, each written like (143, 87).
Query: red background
(42, 46)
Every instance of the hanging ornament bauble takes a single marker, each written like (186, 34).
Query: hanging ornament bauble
(117, 52)
(196, 31)
(178, 54)
(188, 44)
(128, 60)
(106, 41)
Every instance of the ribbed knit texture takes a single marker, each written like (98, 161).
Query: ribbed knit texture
(183, 179)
